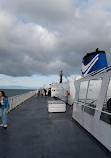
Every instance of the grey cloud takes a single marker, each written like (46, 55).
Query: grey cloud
(40, 11)
(44, 37)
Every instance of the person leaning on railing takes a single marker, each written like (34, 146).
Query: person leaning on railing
(4, 105)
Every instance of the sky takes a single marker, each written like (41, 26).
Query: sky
(39, 38)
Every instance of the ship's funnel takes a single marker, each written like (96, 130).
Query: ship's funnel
(94, 61)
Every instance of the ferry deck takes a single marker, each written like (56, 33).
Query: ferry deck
(34, 133)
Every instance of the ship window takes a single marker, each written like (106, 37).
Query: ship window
(88, 95)
(82, 94)
(92, 96)
(83, 91)
(106, 114)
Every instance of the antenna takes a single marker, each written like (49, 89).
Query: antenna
(97, 50)
(61, 77)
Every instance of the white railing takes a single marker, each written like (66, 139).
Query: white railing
(14, 101)
(105, 112)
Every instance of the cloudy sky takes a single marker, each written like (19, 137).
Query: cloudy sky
(38, 38)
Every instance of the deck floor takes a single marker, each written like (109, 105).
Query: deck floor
(34, 133)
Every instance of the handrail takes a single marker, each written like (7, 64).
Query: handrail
(14, 101)
(94, 108)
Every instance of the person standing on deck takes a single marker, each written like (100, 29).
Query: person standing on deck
(4, 105)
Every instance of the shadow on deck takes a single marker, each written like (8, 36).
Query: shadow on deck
(34, 133)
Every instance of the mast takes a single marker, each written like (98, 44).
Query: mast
(61, 77)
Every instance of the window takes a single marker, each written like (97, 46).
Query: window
(82, 94)
(106, 117)
(83, 91)
(92, 95)
(88, 95)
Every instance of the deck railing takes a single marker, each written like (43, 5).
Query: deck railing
(105, 112)
(14, 101)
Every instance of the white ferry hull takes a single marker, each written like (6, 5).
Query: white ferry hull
(97, 127)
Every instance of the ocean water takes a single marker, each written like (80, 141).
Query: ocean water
(14, 92)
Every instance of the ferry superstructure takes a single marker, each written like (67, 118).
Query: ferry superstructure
(92, 108)
(90, 96)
